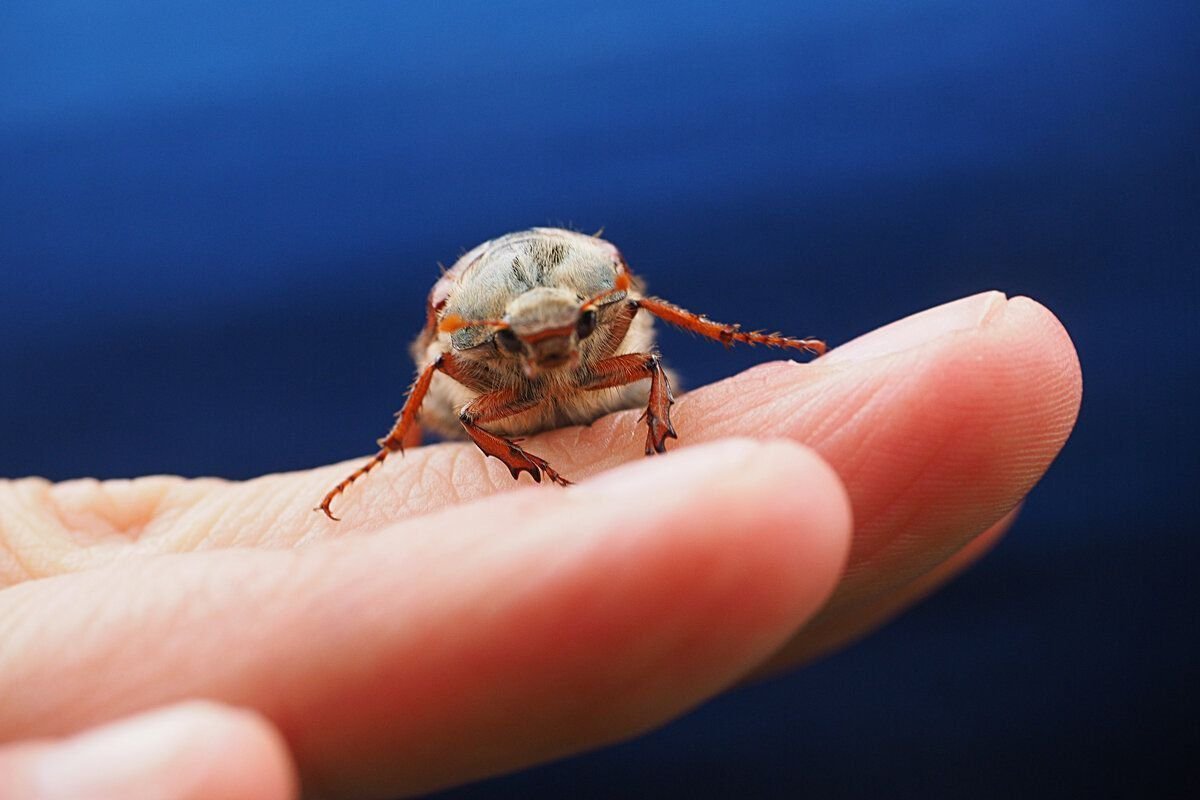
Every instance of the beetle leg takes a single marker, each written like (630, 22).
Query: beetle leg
(406, 421)
(726, 334)
(620, 370)
(498, 405)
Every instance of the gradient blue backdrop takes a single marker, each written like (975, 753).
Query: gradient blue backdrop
(217, 226)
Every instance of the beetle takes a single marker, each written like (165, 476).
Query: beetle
(540, 329)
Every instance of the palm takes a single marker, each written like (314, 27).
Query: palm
(451, 628)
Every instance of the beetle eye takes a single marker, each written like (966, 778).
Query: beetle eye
(586, 324)
(508, 341)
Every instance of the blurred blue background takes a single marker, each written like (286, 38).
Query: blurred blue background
(218, 224)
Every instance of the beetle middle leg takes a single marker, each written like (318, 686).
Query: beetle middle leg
(620, 370)
(498, 405)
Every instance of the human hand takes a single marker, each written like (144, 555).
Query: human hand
(451, 628)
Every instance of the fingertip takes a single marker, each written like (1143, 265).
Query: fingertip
(915, 330)
(763, 526)
(797, 512)
(1028, 314)
(773, 494)
(252, 759)
(187, 751)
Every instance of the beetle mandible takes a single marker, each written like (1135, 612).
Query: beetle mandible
(536, 330)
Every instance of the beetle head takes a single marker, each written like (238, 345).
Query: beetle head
(544, 328)
(532, 297)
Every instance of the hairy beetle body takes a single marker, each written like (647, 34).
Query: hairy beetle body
(547, 268)
(536, 330)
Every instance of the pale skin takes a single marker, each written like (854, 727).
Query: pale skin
(458, 624)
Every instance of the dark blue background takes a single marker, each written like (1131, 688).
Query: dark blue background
(217, 226)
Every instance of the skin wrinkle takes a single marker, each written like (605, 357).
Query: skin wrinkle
(168, 533)
(84, 530)
(13, 553)
(400, 492)
(826, 433)
(11, 570)
(37, 555)
(820, 428)
(209, 524)
(197, 661)
(600, 436)
(432, 474)
(681, 414)
(990, 316)
(90, 536)
(171, 516)
(467, 460)
(287, 505)
(168, 512)
(299, 495)
(577, 443)
(185, 503)
(88, 647)
(129, 509)
(295, 514)
(889, 552)
(866, 550)
(122, 507)
(897, 513)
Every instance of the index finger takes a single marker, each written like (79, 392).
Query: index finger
(948, 417)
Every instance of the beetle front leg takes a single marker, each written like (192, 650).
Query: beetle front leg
(621, 370)
(498, 405)
(394, 441)
(725, 334)
(406, 421)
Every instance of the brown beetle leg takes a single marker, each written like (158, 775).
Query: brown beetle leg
(726, 334)
(394, 440)
(406, 421)
(620, 370)
(498, 405)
